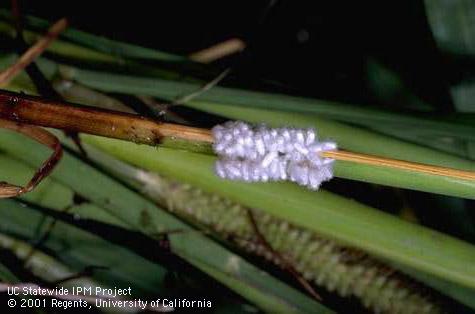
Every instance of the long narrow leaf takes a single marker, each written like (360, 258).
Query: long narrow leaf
(327, 214)
(367, 142)
(240, 98)
(347, 137)
(80, 249)
(144, 216)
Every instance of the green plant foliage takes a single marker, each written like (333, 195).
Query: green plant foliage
(142, 215)
(323, 212)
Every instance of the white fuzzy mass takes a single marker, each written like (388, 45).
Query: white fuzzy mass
(254, 154)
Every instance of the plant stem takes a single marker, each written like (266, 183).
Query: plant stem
(33, 52)
(138, 129)
(43, 137)
(218, 51)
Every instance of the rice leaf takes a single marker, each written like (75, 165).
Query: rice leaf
(460, 293)
(325, 213)
(144, 216)
(359, 140)
(453, 28)
(79, 249)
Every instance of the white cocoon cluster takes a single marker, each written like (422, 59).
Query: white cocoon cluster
(259, 153)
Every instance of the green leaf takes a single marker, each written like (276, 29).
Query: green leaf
(359, 140)
(78, 249)
(460, 293)
(167, 89)
(52, 194)
(325, 213)
(367, 142)
(452, 25)
(440, 134)
(240, 98)
(49, 193)
(453, 29)
(142, 215)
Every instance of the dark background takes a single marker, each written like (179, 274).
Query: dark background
(312, 48)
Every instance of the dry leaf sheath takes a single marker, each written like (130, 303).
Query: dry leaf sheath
(42, 136)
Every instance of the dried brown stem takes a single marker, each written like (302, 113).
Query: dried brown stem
(399, 164)
(203, 89)
(218, 51)
(65, 116)
(61, 115)
(43, 137)
(33, 52)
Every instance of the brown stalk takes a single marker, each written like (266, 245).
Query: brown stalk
(218, 51)
(203, 89)
(33, 52)
(43, 137)
(61, 115)
(74, 118)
